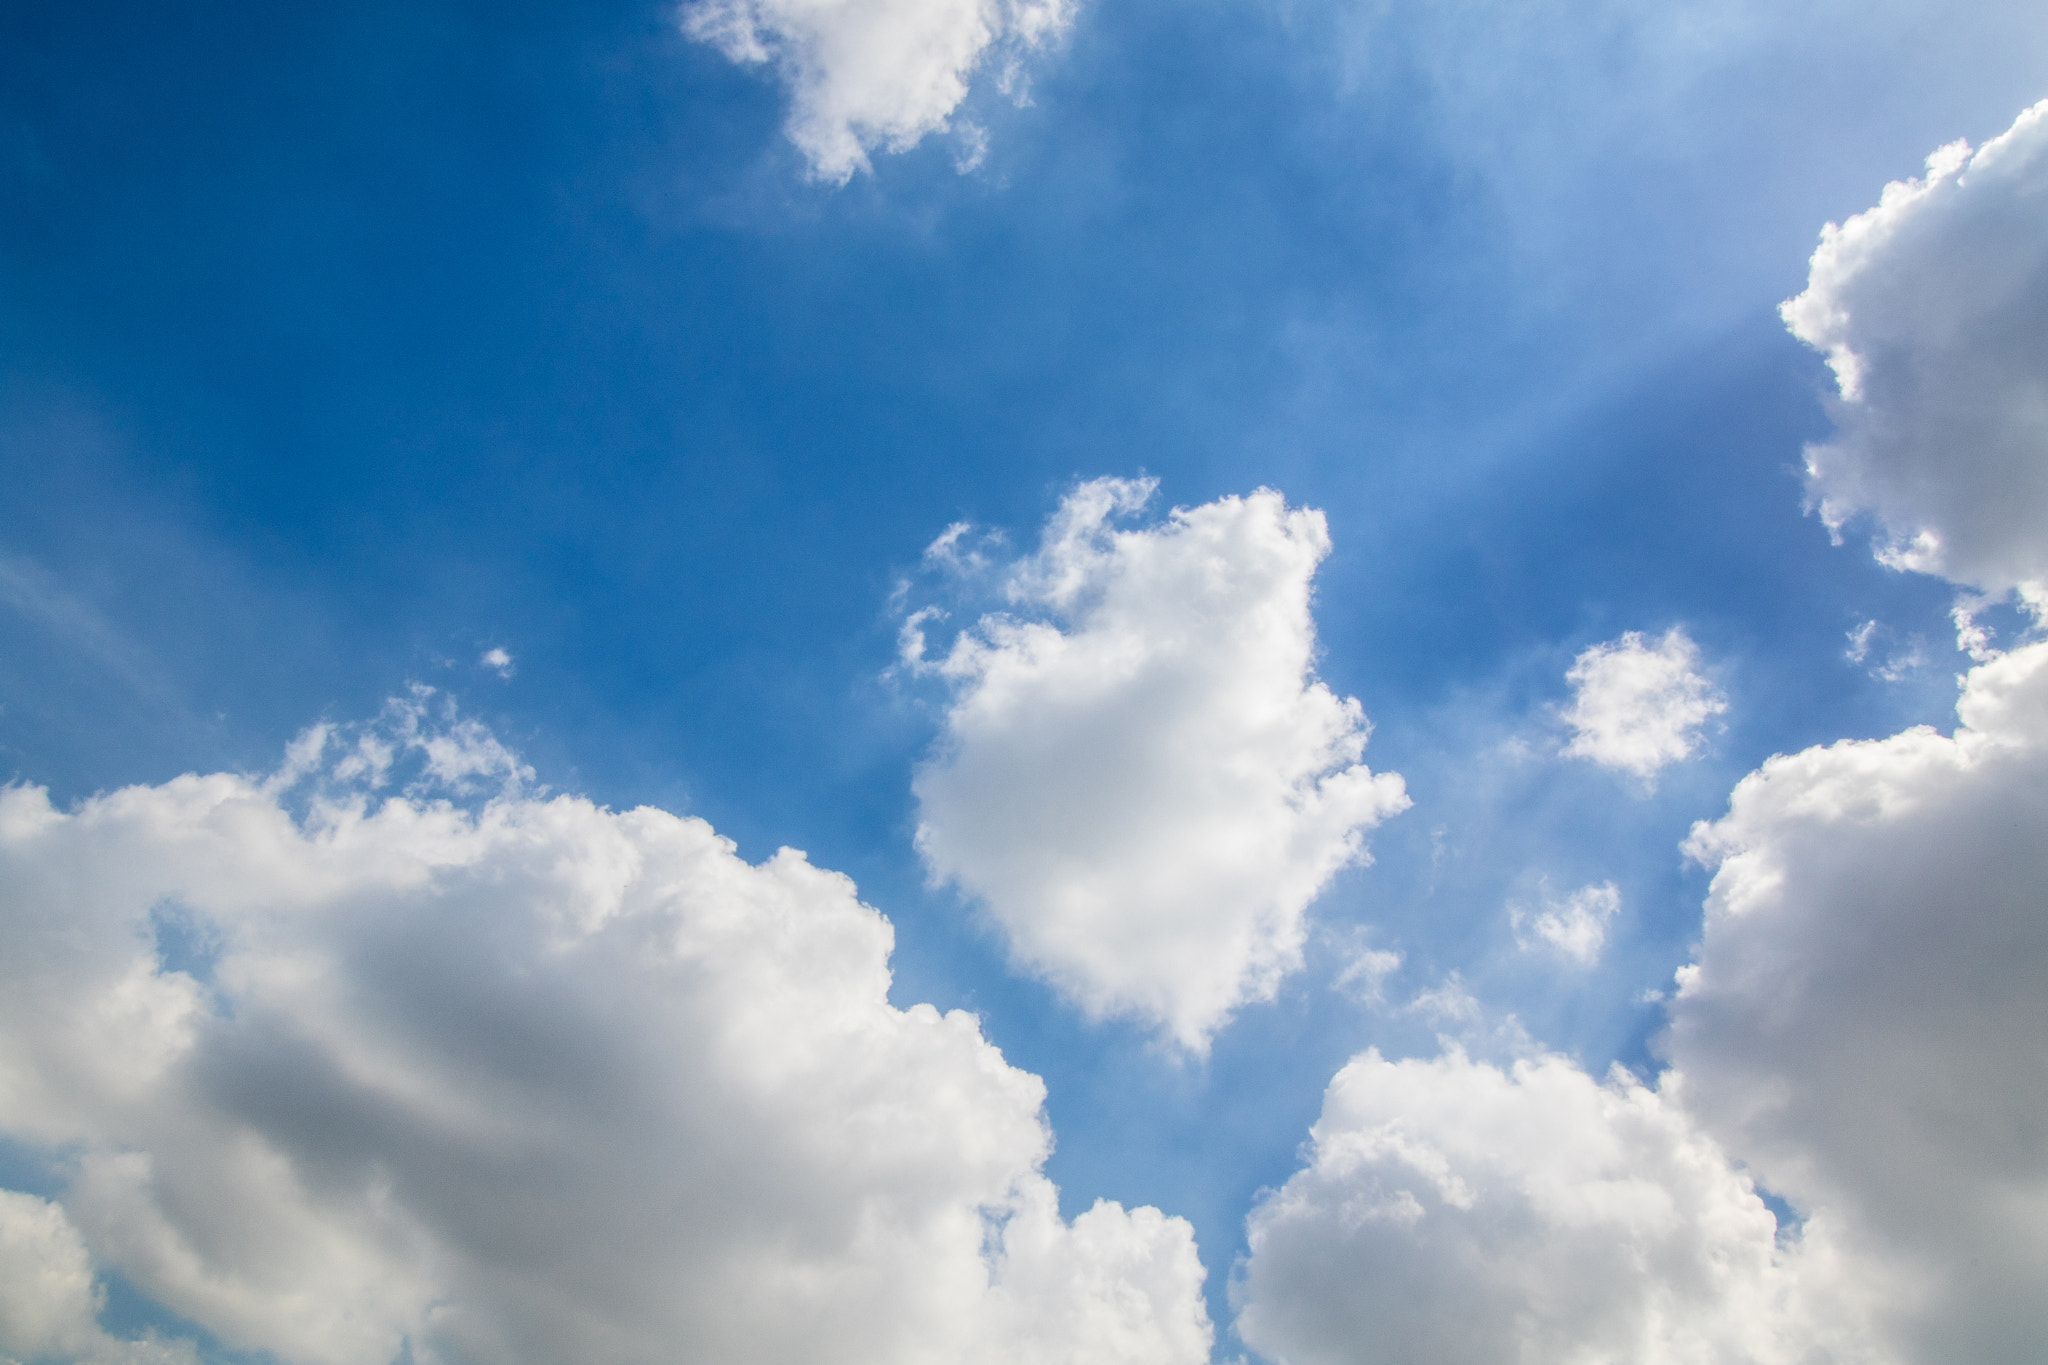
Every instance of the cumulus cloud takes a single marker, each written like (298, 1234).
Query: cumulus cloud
(1637, 706)
(1863, 1021)
(1575, 926)
(1932, 309)
(337, 1074)
(1140, 775)
(498, 659)
(50, 1296)
(1860, 1030)
(1458, 1213)
(868, 74)
(1861, 1027)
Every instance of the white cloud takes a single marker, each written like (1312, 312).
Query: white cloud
(498, 659)
(1458, 1213)
(1861, 1030)
(526, 1081)
(868, 74)
(50, 1297)
(1365, 973)
(1863, 1023)
(1140, 775)
(1932, 308)
(1575, 926)
(421, 733)
(1899, 661)
(1638, 706)
(1859, 641)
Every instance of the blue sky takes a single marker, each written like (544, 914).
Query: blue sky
(343, 347)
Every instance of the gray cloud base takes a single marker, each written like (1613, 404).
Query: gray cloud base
(1864, 1025)
(1861, 1027)
(1932, 307)
(533, 1082)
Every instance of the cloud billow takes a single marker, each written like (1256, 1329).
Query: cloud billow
(1860, 1029)
(1932, 308)
(524, 1080)
(1862, 1021)
(1140, 776)
(1453, 1212)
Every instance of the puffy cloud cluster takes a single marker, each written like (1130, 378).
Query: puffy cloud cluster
(1140, 775)
(1451, 1212)
(1861, 1030)
(1637, 706)
(1932, 308)
(525, 1080)
(864, 74)
(1861, 1027)
(1863, 1023)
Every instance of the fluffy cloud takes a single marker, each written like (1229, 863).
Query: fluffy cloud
(50, 1297)
(1861, 1027)
(864, 74)
(1864, 1023)
(1861, 1030)
(1455, 1213)
(527, 1080)
(1575, 926)
(1140, 775)
(1932, 309)
(1637, 706)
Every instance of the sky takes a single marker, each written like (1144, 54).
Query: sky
(1045, 681)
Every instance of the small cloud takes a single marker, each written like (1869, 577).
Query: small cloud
(498, 659)
(1447, 1002)
(1461, 1020)
(880, 75)
(1575, 926)
(1364, 977)
(972, 149)
(1638, 706)
(1897, 663)
(911, 642)
(428, 742)
(1973, 637)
